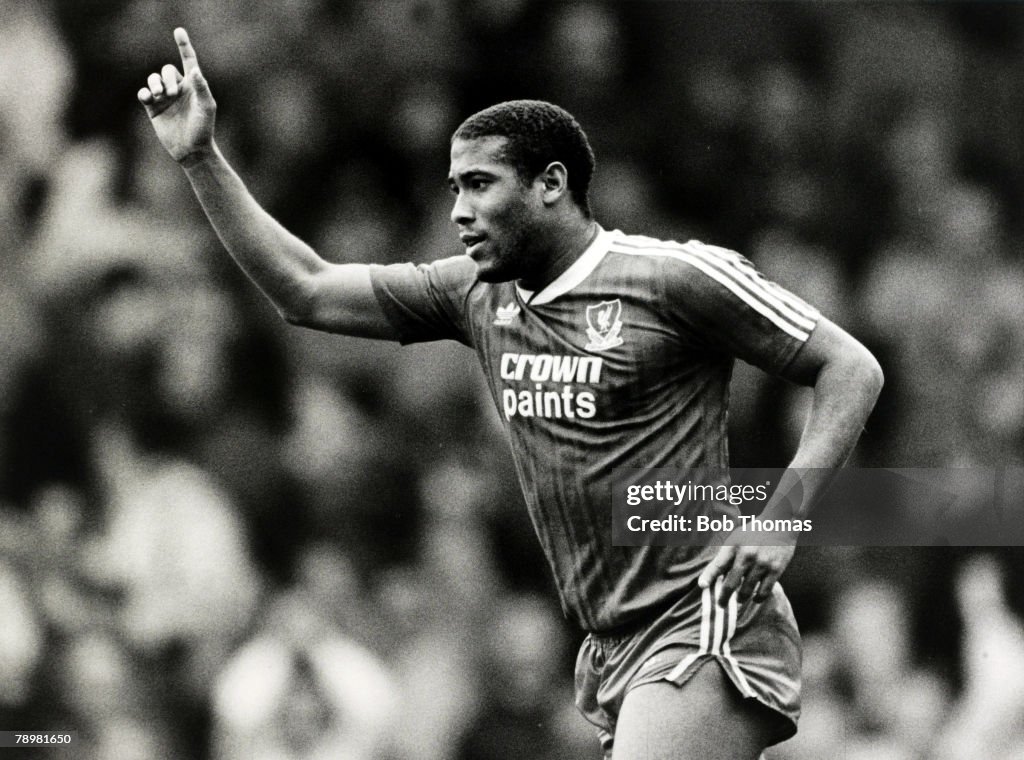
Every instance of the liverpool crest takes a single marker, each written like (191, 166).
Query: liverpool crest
(604, 325)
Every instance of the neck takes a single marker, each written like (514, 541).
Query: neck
(567, 243)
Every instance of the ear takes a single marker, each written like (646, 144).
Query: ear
(554, 182)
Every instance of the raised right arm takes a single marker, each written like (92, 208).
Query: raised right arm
(305, 289)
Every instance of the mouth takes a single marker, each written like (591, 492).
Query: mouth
(472, 241)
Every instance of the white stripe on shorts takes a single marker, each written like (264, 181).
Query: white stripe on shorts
(727, 652)
(719, 623)
(707, 607)
(724, 629)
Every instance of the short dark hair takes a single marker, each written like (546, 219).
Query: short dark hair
(538, 133)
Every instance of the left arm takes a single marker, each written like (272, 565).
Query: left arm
(847, 380)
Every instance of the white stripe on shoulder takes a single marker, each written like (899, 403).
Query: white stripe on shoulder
(745, 266)
(793, 324)
(736, 267)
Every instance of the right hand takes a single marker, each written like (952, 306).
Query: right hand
(181, 108)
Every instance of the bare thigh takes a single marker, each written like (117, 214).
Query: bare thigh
(704, 719)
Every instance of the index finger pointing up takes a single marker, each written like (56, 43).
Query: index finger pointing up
(188, 54)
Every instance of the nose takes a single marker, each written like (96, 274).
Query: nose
(462, 213)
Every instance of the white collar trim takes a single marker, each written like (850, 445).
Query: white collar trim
(575, 274)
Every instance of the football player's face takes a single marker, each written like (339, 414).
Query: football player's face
(495, 211)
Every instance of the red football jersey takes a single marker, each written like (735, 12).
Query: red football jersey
(623, 361)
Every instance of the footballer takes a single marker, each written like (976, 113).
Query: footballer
(602, 350)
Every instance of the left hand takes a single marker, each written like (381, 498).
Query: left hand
(746, 568)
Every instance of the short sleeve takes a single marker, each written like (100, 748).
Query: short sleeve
(722, 303)
(426, 302)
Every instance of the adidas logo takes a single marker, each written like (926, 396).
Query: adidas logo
(505, 314)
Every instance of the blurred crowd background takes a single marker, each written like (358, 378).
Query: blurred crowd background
(223, 537)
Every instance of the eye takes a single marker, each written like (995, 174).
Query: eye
(478, 183)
